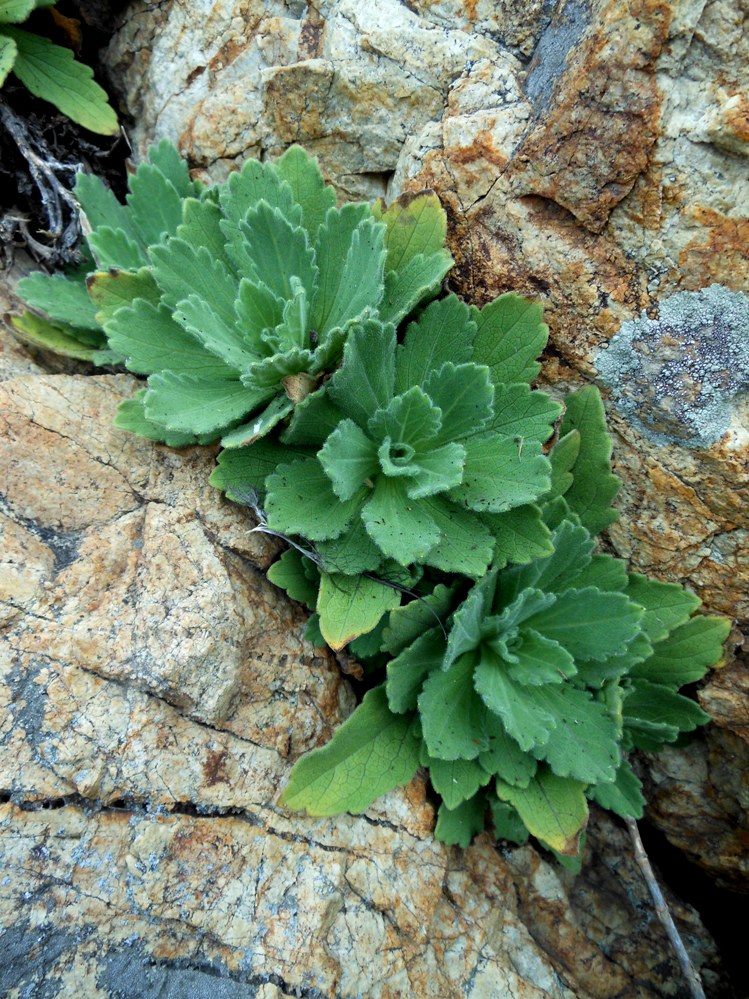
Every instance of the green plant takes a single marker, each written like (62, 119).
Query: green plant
(523, 695)
(49, 71)
(67, 310)
(395, 442)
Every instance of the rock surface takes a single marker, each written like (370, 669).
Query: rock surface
(155, 691)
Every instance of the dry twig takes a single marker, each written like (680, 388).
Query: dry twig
(664, 914)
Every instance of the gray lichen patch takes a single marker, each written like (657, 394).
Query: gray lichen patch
(684, 377)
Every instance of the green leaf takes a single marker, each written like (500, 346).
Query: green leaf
(465, 544)
(350, 606)
(413, 619)
(110, 290)
(408, 670)
(507, 823)
(115, 248)
(364, 383)
(242, 192)
(164, 156)
(60, 338)
(516, 704)
(370, 754)
(262, 423)
(523, 415)
(201, 226)
(301, 501)
(464, 394)
(303, 176)
(593, 487)
(552, 808)
(603, 571)
(416, 281)
(367, 647)
(350, 280)
(520, 535)
(540, 661)
(455, 722)
(623, 796)
(15, 11)
(563, 456)
(241, 470)
(498, 476)
(584, 742)
(510, 336)
(150, 341)
(348, 457)
(155, 204)
(467, 628)
(588, 623)
(505, 759)
(131, 416)
(101, 207)
(196, 405)
(352, 553)
(220, 337)
(8, 52)
(184, 271)
(416, 224)
(409, 418)
(443, 332)
(277, 252)
(455, 780)
(437, 471)
(458, 826)
(291, 574)
(667, 605)
(313, 420)
(658, 705)
(572, 554)
(400, 527)
(312, 633)
(50, 72)
(686, 653)
(62, 299)
(257, 310)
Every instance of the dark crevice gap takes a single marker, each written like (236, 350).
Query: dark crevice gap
(723, 912)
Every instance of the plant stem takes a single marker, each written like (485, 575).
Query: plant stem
(664, 914)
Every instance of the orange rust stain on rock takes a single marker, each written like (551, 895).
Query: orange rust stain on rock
(214, 768)
(737, 117)
(470, 8)
(227, 54)
(718, 254)
(482, 148)
(587, 152)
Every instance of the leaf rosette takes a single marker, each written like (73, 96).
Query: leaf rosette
(405, 450)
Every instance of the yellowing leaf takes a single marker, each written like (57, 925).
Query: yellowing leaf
(371, 753)
(553, 809)
(350, 606)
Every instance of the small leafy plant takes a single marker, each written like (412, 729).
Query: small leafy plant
(67, 311)
(523, 694)
(393, 439)
(49, 71)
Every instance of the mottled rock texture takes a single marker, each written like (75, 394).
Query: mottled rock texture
(155, 691)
